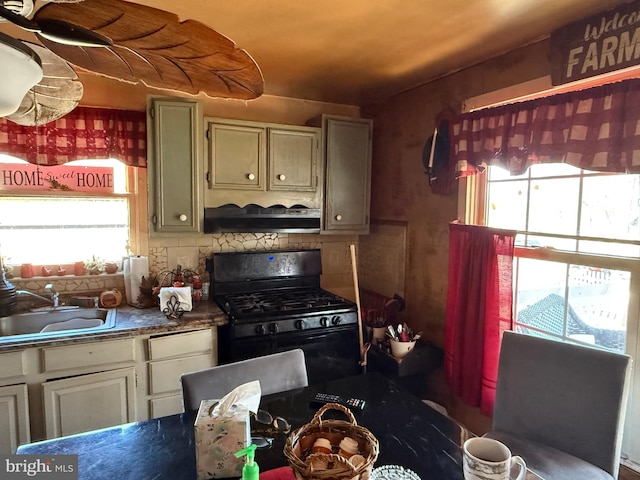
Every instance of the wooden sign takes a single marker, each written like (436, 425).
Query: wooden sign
(599, 44)
(35, 178)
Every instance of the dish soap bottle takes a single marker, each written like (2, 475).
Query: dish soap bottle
(250, 471)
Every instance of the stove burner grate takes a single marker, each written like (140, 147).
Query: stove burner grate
(282, 302)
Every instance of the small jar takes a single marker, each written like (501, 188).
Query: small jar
(348, 447)
(26, 270)
(321, 445)
(78, 268)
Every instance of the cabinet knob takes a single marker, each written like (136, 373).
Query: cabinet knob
(338, 217)
(251, 176)
(183, 218)
(282, 177)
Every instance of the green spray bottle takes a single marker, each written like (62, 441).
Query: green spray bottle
(251, 470)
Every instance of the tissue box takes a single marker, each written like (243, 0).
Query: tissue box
(218, 438)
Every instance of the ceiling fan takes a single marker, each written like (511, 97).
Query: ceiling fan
(136, 43)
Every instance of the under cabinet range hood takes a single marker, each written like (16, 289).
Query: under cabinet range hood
(253, 218)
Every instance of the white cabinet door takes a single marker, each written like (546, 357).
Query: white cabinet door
(88, 402)
(14, 418)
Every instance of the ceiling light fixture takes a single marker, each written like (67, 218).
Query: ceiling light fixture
(23, 70)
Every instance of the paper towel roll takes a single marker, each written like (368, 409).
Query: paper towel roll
(138, 268)
(126, 272)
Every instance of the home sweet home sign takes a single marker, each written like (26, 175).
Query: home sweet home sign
(37, 178)
(599, 44)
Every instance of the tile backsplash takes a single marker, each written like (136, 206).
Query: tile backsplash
(191, 252)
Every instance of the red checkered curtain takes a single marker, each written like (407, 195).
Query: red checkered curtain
(479, 310)
(594, 129)
(84, 133)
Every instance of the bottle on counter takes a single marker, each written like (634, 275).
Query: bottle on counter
(250, 470)
(196, 286)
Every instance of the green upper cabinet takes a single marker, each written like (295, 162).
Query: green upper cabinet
(262, 163)
(175, 165)
(293, 157)
(237, 156)
(347, 195)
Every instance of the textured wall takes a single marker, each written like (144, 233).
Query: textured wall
(400, 189)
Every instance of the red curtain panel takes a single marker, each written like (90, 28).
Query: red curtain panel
(479, 309)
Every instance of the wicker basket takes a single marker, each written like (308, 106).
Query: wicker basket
(298, 448)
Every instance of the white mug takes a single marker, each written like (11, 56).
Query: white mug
(488, 459)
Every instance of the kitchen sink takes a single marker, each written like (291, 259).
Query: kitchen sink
(56, 321)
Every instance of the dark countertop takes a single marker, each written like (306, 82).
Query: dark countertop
(409, 433)
(130, 321)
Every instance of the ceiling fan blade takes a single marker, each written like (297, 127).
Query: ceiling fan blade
(161, 51)
(19, 20)
(58, 30)
(70, 34)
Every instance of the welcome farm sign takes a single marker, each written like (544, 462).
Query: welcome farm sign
(36, 178)
(599, 44)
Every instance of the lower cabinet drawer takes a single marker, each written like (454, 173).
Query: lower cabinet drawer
(12, 365)
(163, 406)
(87, 355)
(180, 344)
(164, 375)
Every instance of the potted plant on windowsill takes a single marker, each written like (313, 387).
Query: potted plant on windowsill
(95, 266)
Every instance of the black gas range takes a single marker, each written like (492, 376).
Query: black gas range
(274, 302)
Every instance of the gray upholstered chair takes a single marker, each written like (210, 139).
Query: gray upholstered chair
(561, 406)
(278, 372)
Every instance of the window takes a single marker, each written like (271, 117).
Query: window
(63, 228)
(580, 242)
(577, 264)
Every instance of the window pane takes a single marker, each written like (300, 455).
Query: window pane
(540, 297)
(598, 300)
(553, 206)
(609, 248)
(506, 203)
(610, 207)
(46, 230)
(553, 170)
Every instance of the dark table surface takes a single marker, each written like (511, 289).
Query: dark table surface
(409, 433)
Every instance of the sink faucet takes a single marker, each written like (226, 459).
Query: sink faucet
(54, 295)
(48, 287)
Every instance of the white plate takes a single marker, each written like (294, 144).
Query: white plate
(393, 472)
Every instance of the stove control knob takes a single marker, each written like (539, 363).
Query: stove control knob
(260, 330)
(324, 321)
(273, 328)
(336, 320)
(300, 324)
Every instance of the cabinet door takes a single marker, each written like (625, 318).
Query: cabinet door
(88, 402)
(237, 156)
(14, 418)
(175, 166)
(292, 159)
(348, 175)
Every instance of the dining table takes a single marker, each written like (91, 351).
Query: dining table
(410, 434)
